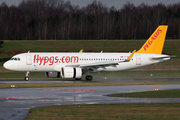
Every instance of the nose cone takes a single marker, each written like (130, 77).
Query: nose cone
(10, 65)
(7, 65)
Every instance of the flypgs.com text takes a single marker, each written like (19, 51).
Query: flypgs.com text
(43, 60)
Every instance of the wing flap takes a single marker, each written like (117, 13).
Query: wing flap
(100, 64)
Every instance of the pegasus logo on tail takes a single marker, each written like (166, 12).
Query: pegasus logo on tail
(154, 37)
(155, 43)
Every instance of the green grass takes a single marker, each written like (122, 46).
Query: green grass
(3, 55)
(35, 85)
(156, 111)
(151, 94)
(101, 75)
(14, 45)
(68, 45)
(76, 45)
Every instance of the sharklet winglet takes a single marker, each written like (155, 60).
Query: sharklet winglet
(131, 56)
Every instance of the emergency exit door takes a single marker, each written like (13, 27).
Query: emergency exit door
(138, 60)
(28, 60)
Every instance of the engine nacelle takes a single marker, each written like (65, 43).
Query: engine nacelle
(53, 74)
(70, 72)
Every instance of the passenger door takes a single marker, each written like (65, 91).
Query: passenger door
(28, 60)
(138, 60)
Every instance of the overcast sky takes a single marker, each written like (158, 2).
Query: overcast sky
(109, 3)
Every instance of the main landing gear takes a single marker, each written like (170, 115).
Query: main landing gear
(89, 77)
(27, 76)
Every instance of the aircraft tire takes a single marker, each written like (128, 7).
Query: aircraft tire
(89, 77)
(26, 78)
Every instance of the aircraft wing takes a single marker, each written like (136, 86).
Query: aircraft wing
(95, 67)
(100, 66)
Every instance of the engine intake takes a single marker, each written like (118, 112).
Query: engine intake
(70, 72)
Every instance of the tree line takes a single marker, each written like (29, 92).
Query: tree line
(60, 20)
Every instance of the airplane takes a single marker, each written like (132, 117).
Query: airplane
(74, 65)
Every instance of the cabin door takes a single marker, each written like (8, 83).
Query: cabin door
(28, 60)
(138, 60)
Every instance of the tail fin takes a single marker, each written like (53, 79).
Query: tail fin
(155, 43)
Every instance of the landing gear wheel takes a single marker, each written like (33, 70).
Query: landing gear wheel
(26, 78)
(89, 77)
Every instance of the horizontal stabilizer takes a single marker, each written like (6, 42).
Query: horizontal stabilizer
(160, 58)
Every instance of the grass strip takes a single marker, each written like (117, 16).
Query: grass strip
(102, 75)
(35, 85)
(140, 111)
(151, 94)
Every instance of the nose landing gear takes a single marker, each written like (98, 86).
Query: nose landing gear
(27, 76)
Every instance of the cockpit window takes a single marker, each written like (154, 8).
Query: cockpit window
(15, 59)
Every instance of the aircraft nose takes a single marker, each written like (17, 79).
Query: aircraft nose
(7, 65)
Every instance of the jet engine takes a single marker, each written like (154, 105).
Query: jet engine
(53, 74)
(70, 72)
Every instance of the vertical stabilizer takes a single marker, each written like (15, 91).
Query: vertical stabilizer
(154, 45)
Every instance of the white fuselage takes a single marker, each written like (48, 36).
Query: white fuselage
(44, 62)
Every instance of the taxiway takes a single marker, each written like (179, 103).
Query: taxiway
(15, 102)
